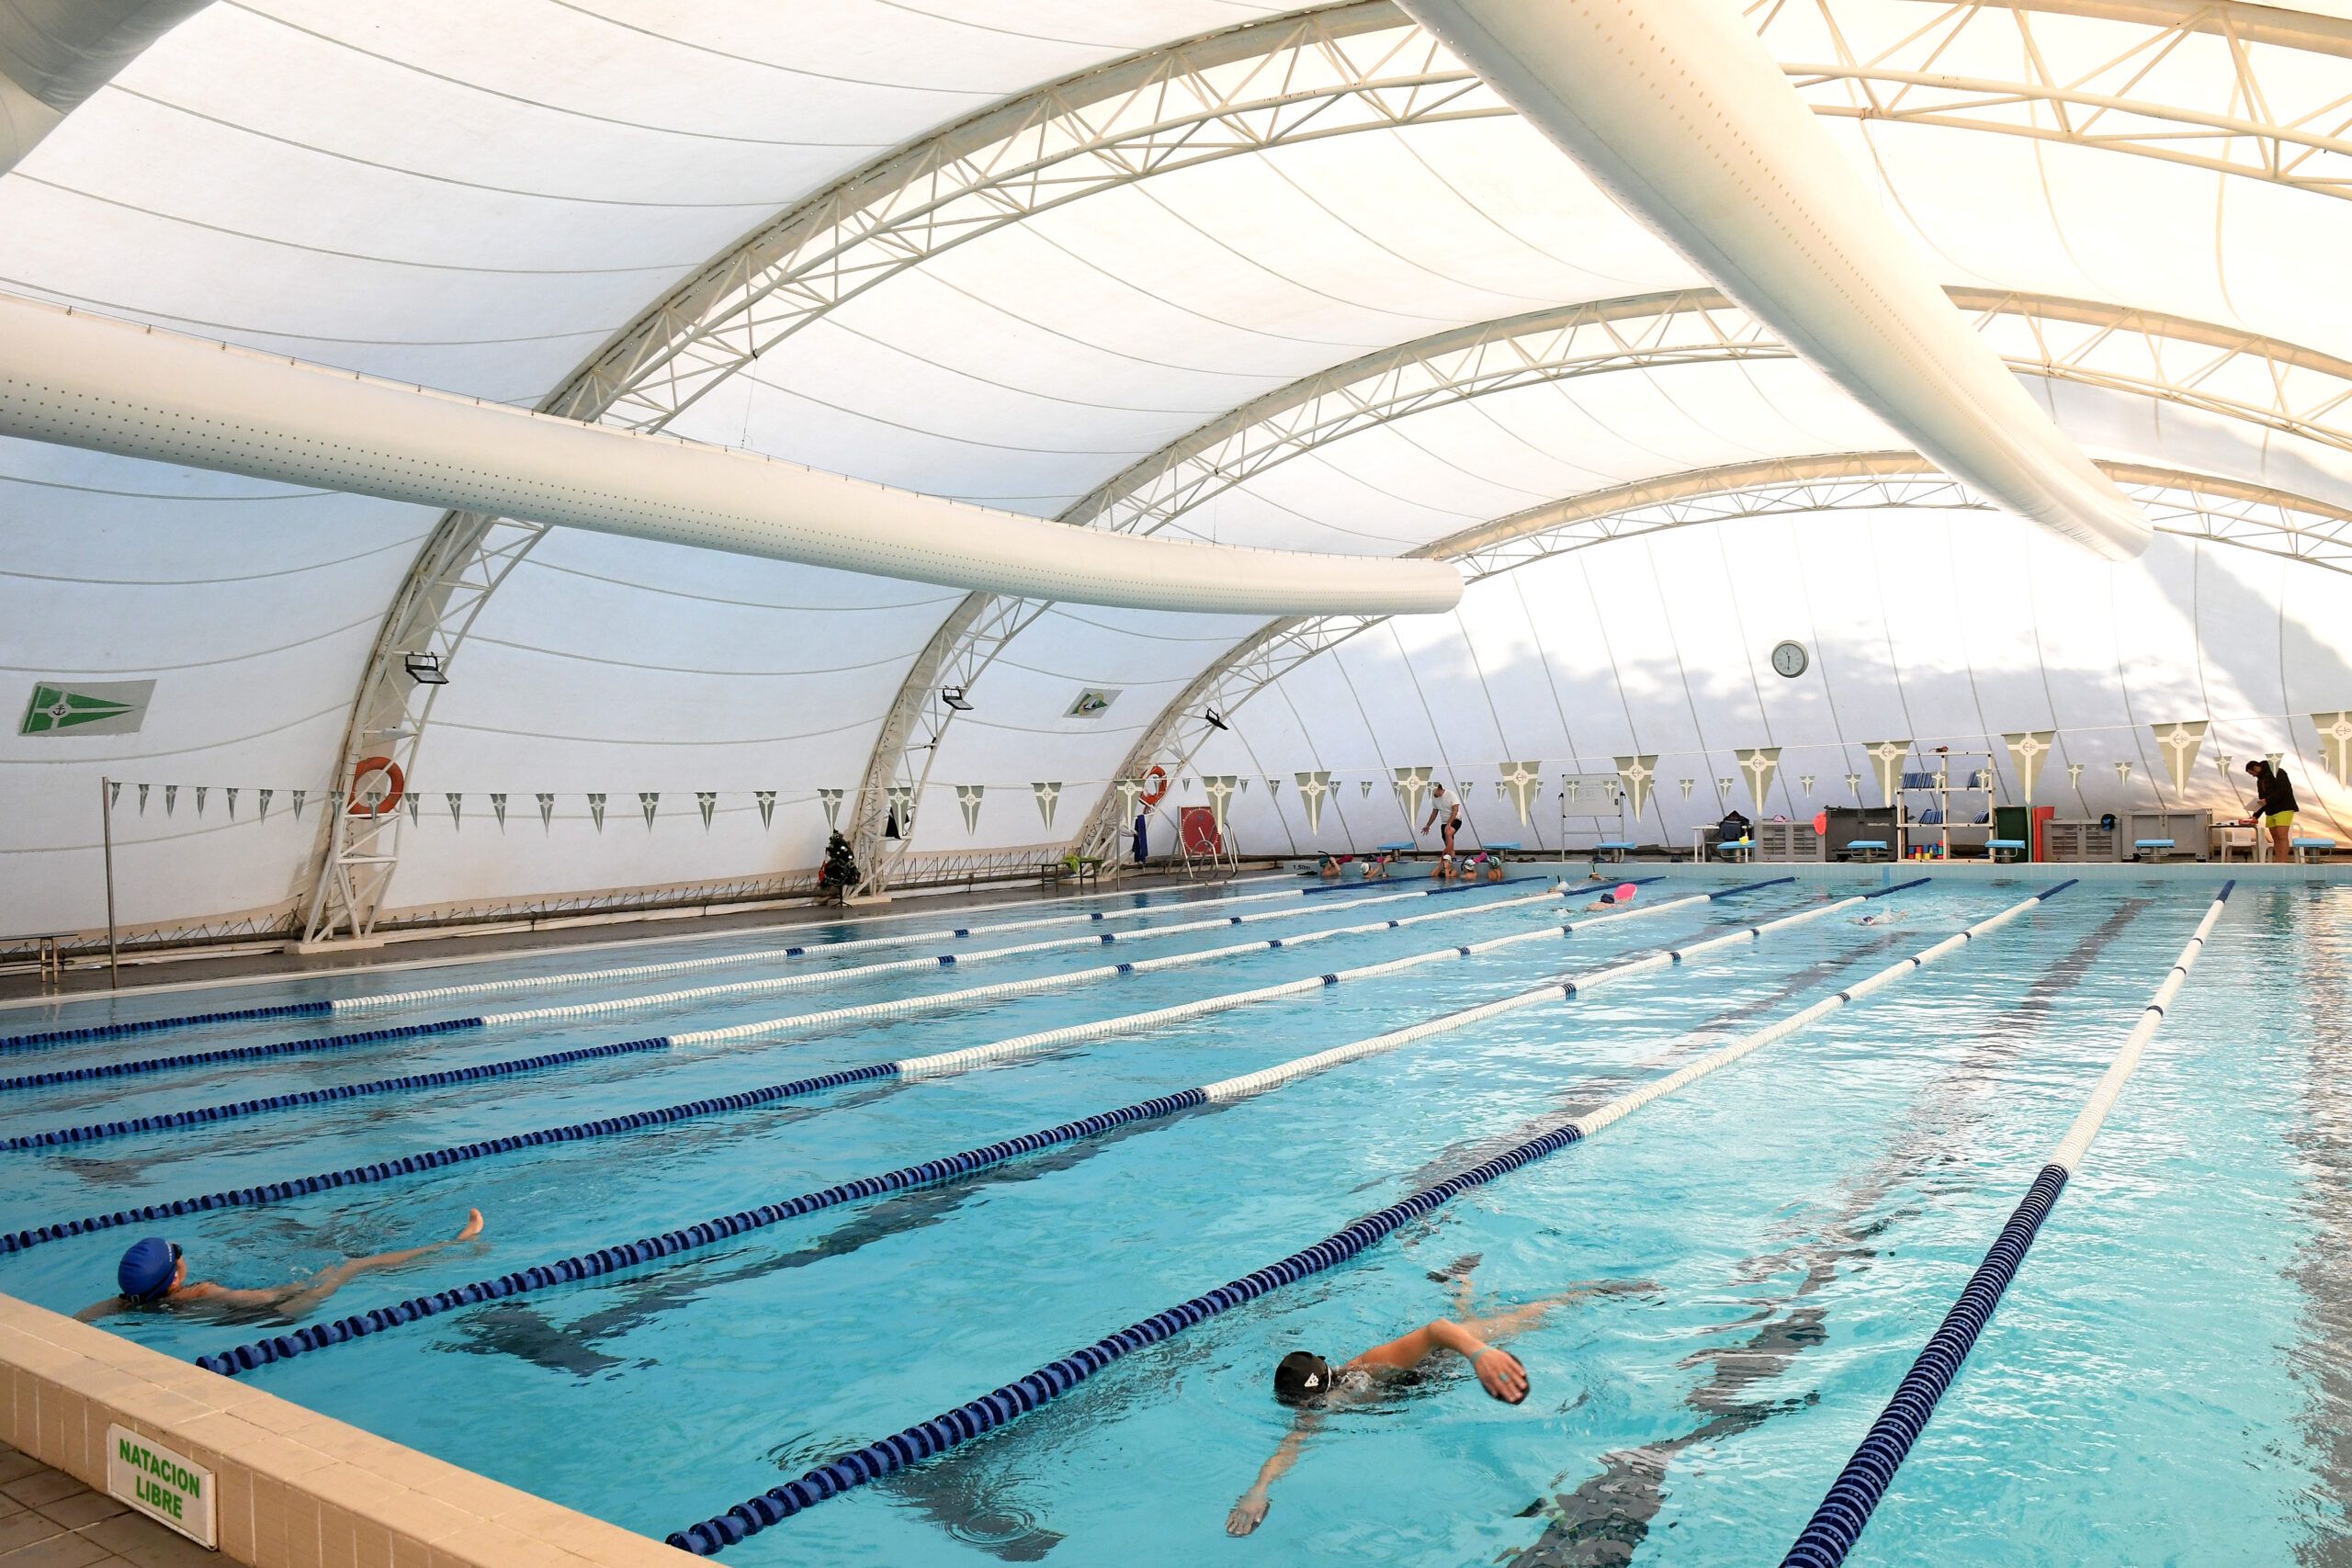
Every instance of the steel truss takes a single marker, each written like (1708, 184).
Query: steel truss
(2197, 505)
(1313, 75)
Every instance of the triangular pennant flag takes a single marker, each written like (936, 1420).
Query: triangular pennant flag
(2336, 744)
(1411, 785)
(1220, 790)
(201, 791)
(1887, 758)
(1520, 782)
(649, 801)
(300, 796)
(1130, 791)
(1636, 773)
(547, 810)
(1245, 786)
(830, 799)
(596, 811)
(1760, 764)
(2075, 776)
(902, 807)
(2123, 773)
(766, 801)
(171, 797)
(143, 800)
(414, 802)
(457, 804)
(1312, 789)
(1048, 797)
(1273, 785)
(706, 802)
(1688, 785)
(1186, 783)
(969, 797)
(231, 797)
(2181, 742)
(114, 793)
(1804, 782)
(498, 809)
(2029, 748)
(1365, 785)
(261, 798)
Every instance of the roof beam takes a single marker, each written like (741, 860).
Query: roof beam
(55, 53)
(1685, 119)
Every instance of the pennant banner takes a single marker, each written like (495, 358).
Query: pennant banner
(1048, 797)
(1366, 784)
(1887, 758)
(1688, 785)
(649, 801)
(200, 792)
(231, 797)
(830, 799)
(2181, 743)
(766, 799)
(706, 802)
(1636, 772)
(1411, 785)
(457, 806)
(1130, 792)
(547, 811)
(260, 799)
(969, 797)
(1520, 782)
(416, 803)
(1313, 788)
(1274, 787)
(1758, 763)
(300, 796)
(2028, 749)
(596, 811)
(143, 800)
(902, 807)
(1220, 788)
(498, 809)
(2334, 744)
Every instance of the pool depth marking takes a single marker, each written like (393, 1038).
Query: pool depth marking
(629, 1122)
(320, 1045)
(605, 1260)
(1014, 1399)
(331, 1007)
(1839, 1520)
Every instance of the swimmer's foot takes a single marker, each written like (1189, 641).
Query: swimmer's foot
(472, 1227)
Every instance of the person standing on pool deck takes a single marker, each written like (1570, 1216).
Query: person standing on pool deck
(2274, 805)
(153, 1273)
(1315, 1387)
(1442, 802)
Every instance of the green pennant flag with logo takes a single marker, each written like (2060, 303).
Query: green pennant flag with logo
(90, 707)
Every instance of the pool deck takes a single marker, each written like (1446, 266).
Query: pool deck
(291, 1488)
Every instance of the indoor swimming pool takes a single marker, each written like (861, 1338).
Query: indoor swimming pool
(1753, 1261)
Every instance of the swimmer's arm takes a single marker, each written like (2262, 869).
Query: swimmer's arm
(97, 1310)
(1499, 1373)
(222, 1295)
(1251, 1511)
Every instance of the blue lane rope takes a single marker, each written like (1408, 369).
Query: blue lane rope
(1838, 1523)
(587, 1266)
(240, 1054)
(59, 1137)
(318, 1336)
(14, 1042)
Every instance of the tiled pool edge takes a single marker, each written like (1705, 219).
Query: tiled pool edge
(295, 1489)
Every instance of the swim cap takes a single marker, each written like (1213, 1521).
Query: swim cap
(146, 1271)
(1301, 1376)
(1624, 893)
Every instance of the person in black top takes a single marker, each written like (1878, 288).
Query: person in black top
(2274, 805)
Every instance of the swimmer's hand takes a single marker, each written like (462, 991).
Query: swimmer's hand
(1501, 1374)
(1248, 1513)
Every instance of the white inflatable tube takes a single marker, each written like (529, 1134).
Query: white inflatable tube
(81, 380)
(1676, 109)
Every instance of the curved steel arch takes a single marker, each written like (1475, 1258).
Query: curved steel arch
(1311, 75)
(2150, 354)
(2177, 502)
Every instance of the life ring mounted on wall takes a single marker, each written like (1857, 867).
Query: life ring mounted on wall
(389, 800)
(1153, 793)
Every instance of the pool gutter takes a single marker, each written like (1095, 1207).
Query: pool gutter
(292, 1488)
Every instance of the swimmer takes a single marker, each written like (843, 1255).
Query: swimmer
(153, 1273)
(1314, 1387)
(1884, 917)
(1622, 894)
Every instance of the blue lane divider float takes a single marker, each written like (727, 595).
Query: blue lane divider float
(284, 1346)
(632, 1121)
(61, 1137)
(318, 1044)
(1838, 1522)
(55, 1037)
(1013, 1400)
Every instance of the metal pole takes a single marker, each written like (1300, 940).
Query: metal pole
(106, 821)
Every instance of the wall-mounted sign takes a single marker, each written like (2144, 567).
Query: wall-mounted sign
(86, 707)
(166, 1486)
(1092, 701)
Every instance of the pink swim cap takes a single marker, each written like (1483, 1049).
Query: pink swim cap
(1625, 891)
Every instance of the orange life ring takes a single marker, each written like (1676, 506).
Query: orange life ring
(391, 799)
(1152, 797)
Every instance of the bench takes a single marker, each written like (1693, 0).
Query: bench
(1499, 855)
(1614, 847)
(1868, 848)
(1992, 848)
(1736, 849)
(2162, 847)
(2302, 846)
(1383, 856)
(1086, 869)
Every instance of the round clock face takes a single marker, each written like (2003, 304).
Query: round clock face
(1790, 660)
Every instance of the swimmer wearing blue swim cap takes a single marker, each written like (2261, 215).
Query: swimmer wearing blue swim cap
(153, 1273)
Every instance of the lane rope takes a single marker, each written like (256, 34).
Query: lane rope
(1010, 1400)
(630, 1121)
(329, 1007)
(302, 1341)
(1839, 1520)
(320, 1043)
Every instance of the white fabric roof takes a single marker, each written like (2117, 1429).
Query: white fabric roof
(478, 195)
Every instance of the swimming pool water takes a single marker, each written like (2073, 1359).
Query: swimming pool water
(1767, 1251)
